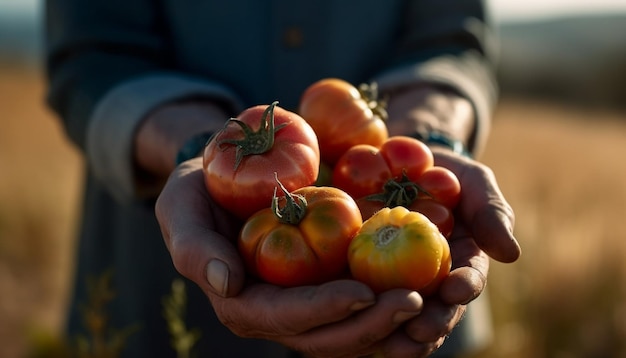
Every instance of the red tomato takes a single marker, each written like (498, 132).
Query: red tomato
(343, 116)
(306, 243)
(241, 159)
(398, 248)
(364, 169)
(441, 184)
(437, 213)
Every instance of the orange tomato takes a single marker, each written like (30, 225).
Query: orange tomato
(342, 116)
(303, 239)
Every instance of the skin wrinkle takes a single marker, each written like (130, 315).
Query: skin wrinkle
(182, 247)
(233, 319)
(312, 293)
(317, 350)
(482, 279)
(408, 347)
(272, 330)
(470, 270)
(443, 320)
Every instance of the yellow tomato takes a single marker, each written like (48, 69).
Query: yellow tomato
(398, 248)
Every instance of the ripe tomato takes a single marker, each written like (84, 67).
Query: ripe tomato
(364, 169)
(398, 248)
(342, 116)
(437, 213)
(441, 184)
(241, 159)
(303, 239)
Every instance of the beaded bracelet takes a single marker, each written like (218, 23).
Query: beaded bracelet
(193, 147)
(440, 139)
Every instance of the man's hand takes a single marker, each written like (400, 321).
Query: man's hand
(337, 319)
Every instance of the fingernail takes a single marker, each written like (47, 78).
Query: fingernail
(357, 306)
(217, 276)
(402, 316)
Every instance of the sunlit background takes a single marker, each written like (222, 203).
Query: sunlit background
(556, 147)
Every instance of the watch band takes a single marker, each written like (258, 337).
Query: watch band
(193, 147)
(440, 139)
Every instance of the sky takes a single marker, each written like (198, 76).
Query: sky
(513, 10)
(502, 10)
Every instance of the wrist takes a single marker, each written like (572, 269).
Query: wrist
(194, 146)
(439, 139)
(165, 132)
(434, 114)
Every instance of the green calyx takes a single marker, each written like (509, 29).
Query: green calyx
(294, 209)
(399, 192)
(254, 142)
(369, 93)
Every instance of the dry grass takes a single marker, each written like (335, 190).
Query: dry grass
(39, 183)
(558, 166)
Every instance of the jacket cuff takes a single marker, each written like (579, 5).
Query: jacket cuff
(111, 128)
(467, 75)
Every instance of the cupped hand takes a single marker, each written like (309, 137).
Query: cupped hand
(338, 319)
(483, 230)
(483, 210)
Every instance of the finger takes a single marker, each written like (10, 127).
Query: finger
(437, 320)
(399, 345)
(362, 331)
(469, 273)
(188, 223)
(493, 230)
(483, 205)
(268, 311)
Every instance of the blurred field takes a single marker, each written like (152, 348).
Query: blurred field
(561, 167)
(558, 165)
(39, 185)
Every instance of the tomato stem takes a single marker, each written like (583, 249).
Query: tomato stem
(254, 142)
(295, 205)
(401, 192)
(369, 92)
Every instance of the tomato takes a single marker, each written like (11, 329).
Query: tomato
(364, 169)
(241, 159)
(302, 239)
(436, 212)
(441, 184)
(343, 116)
(398, 248)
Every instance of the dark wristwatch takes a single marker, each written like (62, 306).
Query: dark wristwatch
(193, 147)
(441, 139)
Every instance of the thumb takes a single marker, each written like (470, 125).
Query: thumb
(483, 207)
(198, 234)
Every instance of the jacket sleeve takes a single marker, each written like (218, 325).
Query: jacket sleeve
(448, 43)
(106, 70)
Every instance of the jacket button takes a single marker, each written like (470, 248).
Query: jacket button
(292, 37)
